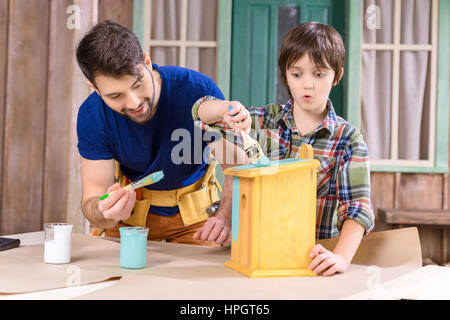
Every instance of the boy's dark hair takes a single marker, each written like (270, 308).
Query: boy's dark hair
(109, 49)
(322, 43)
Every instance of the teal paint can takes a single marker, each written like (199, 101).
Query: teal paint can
(133, 247)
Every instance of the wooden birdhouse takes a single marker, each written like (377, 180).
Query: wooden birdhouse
(274, 217)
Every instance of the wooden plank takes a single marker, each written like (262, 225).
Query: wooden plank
(80, 91)
(3, 60)
(415, 216)
(25, 116)
(420, 191)
(59, 111)
(382, 195)
(431, 242)
(120, 11)
(287, 220)
(397, 186)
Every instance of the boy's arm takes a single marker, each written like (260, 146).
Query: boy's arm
(353, 185)
(328, 263)
(210, 111)
(355, 211)
(349, 239)
(221, 115)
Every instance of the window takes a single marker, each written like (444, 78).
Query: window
(404, 111)
(185, 33)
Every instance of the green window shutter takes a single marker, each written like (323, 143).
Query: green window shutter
(255, 45)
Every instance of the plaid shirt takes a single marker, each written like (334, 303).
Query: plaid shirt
(343, 180)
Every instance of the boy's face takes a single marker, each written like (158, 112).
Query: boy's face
(310, 86)
(130, 96)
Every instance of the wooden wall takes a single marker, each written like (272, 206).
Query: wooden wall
(413, 191)
(416, 191)
(41, 89)
(120, 11)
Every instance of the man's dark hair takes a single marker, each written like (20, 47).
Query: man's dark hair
(322, 43)
(110, 49)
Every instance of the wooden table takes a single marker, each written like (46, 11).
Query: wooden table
(178, 269)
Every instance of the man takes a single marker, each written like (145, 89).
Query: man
(132, 117)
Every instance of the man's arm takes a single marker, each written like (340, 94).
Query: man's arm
(218, 227)
(97, 178)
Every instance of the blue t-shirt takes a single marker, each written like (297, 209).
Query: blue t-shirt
(160, 144)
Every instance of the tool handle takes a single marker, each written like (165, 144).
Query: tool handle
(126, 188)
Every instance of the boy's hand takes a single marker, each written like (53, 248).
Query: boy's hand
(235, 115)
(326, 262)
(117, 206)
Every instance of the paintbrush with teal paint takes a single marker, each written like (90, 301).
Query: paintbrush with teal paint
(150, 179)
(253, 149)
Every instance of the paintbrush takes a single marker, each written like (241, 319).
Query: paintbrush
(150, 179)
(253, 149)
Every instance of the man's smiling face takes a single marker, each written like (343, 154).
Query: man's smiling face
(132, 96)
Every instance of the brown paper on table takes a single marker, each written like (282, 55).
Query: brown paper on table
(177, 271)
(23, 269)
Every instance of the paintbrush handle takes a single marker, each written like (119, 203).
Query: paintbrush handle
(148, 180)
(126, 188)
(248, 141)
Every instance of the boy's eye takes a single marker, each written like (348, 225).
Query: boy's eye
(320, 74)
(114, 96)
(296, 75)
(138, 85)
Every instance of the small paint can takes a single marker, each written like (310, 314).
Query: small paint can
(58, 241)
(133, 247)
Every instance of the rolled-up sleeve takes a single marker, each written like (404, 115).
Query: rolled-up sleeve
(218, 127)
(353, 185)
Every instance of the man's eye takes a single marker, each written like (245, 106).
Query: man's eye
(138, 85)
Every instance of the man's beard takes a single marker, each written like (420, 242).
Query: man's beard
(143, 118)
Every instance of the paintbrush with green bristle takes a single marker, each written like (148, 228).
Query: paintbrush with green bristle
(148, 180)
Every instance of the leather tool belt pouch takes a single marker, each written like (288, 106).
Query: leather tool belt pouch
(192, 200)
(193, 204)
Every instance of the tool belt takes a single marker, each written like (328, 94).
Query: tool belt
(192, 200)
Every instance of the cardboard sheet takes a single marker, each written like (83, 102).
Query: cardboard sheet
(198, 273)
(177, 271)
(93, 260)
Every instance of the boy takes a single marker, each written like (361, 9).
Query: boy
(311, 62)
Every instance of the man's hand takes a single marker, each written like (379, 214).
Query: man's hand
(118, 205)
(217, 229)
(326, 262)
